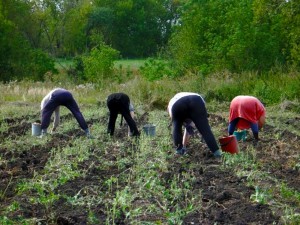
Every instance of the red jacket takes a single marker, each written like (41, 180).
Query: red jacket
(249, 108)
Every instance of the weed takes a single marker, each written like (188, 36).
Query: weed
(260, 196)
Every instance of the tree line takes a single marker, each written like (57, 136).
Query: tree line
(195, 35)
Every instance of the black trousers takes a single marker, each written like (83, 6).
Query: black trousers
(192, 107)
(118, 103)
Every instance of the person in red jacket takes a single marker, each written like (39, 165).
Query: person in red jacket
(246, 112)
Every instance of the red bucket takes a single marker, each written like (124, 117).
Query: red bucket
(229, 144)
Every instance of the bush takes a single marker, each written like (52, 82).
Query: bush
(39, 64)
(154, 69)
(99, 64)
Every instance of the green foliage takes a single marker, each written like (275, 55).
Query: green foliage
(135, 28)
(17, 59)
(40, 63)
(98, 66)
(155, 69)
(235, 35)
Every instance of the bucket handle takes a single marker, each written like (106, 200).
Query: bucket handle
(227, 142)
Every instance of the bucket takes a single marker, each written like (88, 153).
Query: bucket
(240, 135)
(229, 144)
(149, 129)
(36, 129)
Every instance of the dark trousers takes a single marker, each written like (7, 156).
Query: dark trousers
(233, 123)
(118, 103)
(62, 98)
(192, 107)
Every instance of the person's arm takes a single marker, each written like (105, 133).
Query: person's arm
(131, 110)
(132, 114)
(186, 138)
(188, 132)
(261, 121)
(56, 119)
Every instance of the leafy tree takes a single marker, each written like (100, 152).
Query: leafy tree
(290, 11)
(234, 34)
(74, 33)
(17, 59)
(137, 28)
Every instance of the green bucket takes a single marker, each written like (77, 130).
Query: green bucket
(240, 135)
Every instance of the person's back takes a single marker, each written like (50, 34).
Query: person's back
(119, 103)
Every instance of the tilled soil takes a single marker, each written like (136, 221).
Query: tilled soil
(225, 196)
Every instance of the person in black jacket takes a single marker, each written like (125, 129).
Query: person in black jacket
(119, 103)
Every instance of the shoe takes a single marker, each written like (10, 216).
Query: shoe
(218, 154)
(181, 151)
(43, 133)
(88, 134)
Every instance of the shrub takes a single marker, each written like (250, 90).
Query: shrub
(40, 63)
(154, 69)
(99, 64)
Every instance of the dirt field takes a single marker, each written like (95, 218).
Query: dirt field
(226, 196)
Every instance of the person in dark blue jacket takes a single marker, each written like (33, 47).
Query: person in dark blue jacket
(52, 102)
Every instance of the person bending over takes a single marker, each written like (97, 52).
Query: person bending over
(52, 102)
(119, 103)
(246, 112)
(186, 109)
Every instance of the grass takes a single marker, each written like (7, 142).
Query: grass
(131, 186)
(133, 64)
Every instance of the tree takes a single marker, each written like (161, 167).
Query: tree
(235, 35)
(137, 28)
(18, 60)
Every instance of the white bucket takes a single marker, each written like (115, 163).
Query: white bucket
(149, 129)
(36, 129)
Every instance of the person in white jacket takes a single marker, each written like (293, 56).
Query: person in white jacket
(188, 109)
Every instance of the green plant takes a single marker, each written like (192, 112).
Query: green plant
(156, 69)
(260, 196)
(98, 66)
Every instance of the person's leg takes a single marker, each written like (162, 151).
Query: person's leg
(113, 114)
(232, 125)
(205, 130)
(179, 115)
(46, 118)
(124, 103)
(198, 115)
(254, 128)
(66, 99)
(177, 133)
(131, 123)
(73, 107)
(47, 113)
